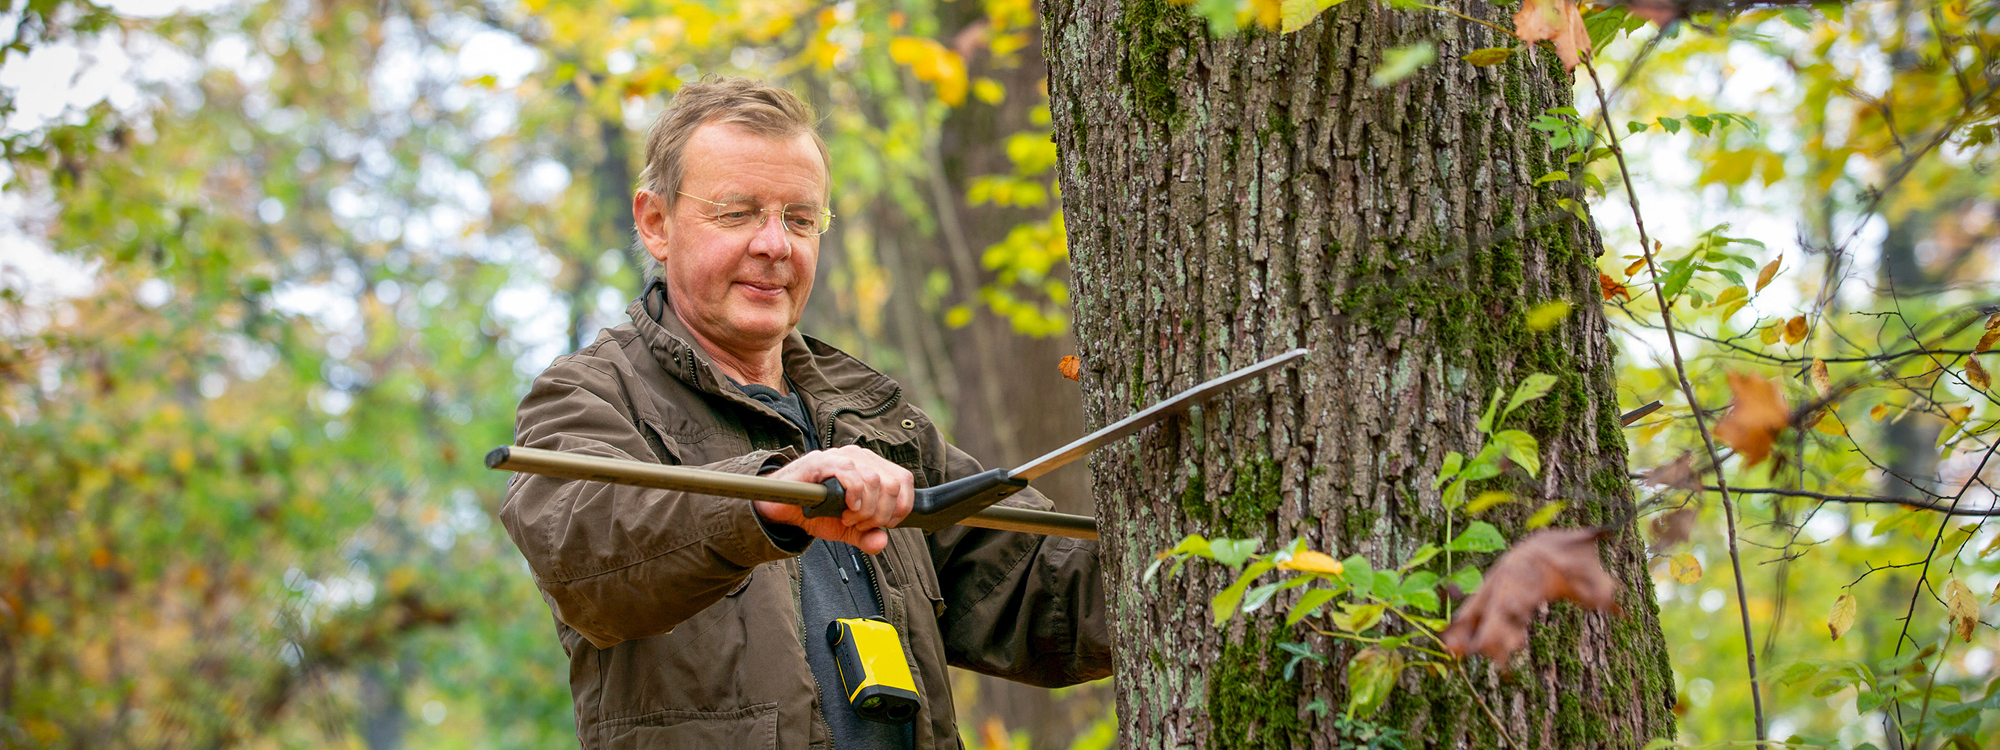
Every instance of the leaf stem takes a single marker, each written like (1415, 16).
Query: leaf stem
(1687, 389)
(1459, 666)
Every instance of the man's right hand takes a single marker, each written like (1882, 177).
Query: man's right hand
(879, 494)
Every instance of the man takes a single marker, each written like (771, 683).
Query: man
(694, 621)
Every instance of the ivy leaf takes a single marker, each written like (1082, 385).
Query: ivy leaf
(1521, 448)
(1401, 62)
(1489, 56)
(1479, 537)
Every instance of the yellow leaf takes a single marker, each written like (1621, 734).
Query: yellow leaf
(1295, 14)
(1488, 499)
(1771, 333)
(1685, 569)
(1822, 382)
(1880, 411)
(1996, 595)
(1959, 414)
(1730, 295)
(1961, 607)
(1975, 374)
(1770, 272)
(1547, 315)
(1841, 619)
(958, 316)
(1636, 266)
(930, 62)
(1986, 341)
(1795, 330)
(1313, 562)
(1831, 427)
(1546, 514)
(989, 90)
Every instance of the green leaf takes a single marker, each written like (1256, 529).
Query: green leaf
(1311, 602)
(1670, 124)
(1679, 273)
(1479, 537)
(1467, 579)
(1556, 176)
(1486, 465)
(1420, 590)
(1399, 63)
(1636, 126)
(1258, 596)
(1486, 419)
(1151, 570)
(1547, 315)
(1232, 552)
(1545, 515)
(1371, 677)
(1454, 495)
(1421, 556)
(1699, 123)
(1452, 462)
(1489, 56)
(1533, 387)
(1192, 544)
(1357, 572)
(1224, 604)
(1521, 448)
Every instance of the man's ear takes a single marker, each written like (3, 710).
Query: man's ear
(649, 217)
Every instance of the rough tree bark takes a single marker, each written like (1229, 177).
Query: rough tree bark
(1228, 199)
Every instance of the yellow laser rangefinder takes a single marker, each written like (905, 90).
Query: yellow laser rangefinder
(873, 671)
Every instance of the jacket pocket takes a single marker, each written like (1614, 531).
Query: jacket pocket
(666, 449)
(910, 559)
(746, 728)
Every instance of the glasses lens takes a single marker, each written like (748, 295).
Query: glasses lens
(733, 215)
(806, 219)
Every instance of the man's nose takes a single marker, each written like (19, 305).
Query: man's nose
(771, 240)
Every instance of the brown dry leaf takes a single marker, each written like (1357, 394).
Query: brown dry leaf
(1961, 607)
(1678, 474)
(1822, 382)
(1612, 288)
(1993, 322)
(1986, 342)
(1071, 367)
(1545, 566)
(1673, 528)
(1975, 374)
(1660, 12)
(1558, 22)
(1795, 330)
(1841, 619)
(1635, 267)
(1770, 272)
(1755, 417)
(1996, 595)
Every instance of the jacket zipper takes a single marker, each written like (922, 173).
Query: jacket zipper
(798, 611)
(894, 396)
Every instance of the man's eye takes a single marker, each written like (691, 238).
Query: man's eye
(802, 222)
(737, 216)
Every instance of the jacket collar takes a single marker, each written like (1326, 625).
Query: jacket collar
(831, 379)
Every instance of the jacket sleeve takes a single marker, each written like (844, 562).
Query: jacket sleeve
(620, 563)
(1018, 606)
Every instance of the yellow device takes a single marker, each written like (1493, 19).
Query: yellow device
(873, 671)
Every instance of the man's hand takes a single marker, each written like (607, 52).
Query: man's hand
(879, 494)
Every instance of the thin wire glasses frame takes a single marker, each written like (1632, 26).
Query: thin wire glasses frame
(802, 219)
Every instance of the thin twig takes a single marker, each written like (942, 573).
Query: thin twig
(1863, 500)
(1687, 388)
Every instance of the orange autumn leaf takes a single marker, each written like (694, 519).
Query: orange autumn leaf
(1770, 272)
(1558, 22)
(1822, 381)
(1547, 565)
(1975, 374)
(1755, 418)
(1986, 341)
(1636, 266)
(1611, 287)
(1070, 367)
(1795, 330)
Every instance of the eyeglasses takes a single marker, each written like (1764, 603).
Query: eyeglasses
(802, 219)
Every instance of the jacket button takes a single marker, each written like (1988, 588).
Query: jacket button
(909, 424)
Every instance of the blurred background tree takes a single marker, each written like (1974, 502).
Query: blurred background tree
(275, 275)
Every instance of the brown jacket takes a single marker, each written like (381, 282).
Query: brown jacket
(680, 615)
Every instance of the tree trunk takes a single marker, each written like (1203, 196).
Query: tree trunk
(1228, 199)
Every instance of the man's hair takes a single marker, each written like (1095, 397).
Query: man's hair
(754, 105)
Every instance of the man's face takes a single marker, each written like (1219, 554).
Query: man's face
(739, 288)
